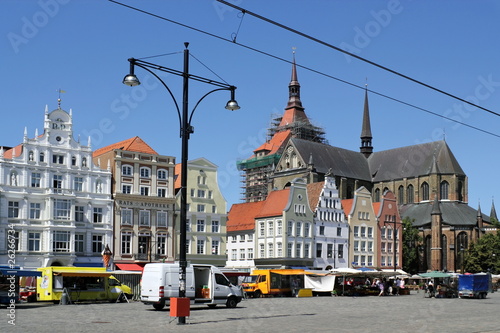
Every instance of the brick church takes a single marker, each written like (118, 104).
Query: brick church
(427, 180)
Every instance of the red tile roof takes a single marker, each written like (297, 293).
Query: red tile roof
(293, 115)
(275, 203)
(347, 205)
(135, 144)
(177, 176)
(8, 153)
(313, 193)
(376, 208)
(242, 216)
(275, 143)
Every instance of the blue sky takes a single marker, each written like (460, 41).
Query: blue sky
(82, 47)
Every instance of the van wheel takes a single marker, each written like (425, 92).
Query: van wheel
(159, 306)
(232, 302)
(257, 294)
(212, 306)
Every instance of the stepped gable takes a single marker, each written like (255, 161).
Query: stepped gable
(275, 203)
(135, 144)
(452, 212)
(242, 216)
(342, 162)
(413, 161)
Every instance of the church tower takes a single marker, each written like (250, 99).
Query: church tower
(436, 232)
(366, 131)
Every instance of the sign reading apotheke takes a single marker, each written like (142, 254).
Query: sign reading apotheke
(142, 204)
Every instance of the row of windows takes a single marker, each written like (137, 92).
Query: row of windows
(387, 261)
(388, 247)
(57, 158)
(242, 238)
(244, 254)
(363, 260)
(365, 231)
(363, 246)
(444, 188)
(61, 242)
(144, 243)
(144, 218)
(330, 250)
(331, 216)
(145, 190)
(78, 185)
(202, 226)
(201, 193)
(144, 172)
(322, 231)
(62, 211)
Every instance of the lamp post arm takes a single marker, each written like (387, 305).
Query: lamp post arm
(166, 87)
(199, 101)
(180, 73)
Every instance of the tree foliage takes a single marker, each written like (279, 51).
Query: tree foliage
(411, 240)
(484, 255)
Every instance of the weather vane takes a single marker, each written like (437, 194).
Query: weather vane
(60, 91)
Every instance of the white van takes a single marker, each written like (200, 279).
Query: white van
(205, 284)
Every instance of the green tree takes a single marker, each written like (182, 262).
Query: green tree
(411, 240)
(484, 255)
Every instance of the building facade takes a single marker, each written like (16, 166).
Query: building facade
(390, 246)
(206, 213)
(363, 229)
(144, 201)
(331, 230)
(55, 203)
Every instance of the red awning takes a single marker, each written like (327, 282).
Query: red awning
(129, 267)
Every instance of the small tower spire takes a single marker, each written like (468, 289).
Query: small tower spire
(294, 89)
(366, 131)
(493, 213)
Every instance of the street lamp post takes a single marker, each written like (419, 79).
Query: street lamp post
(185, 130)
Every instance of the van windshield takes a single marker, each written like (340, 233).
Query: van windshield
(250, 279)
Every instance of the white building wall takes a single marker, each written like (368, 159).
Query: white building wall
(331, 246)
(29, 194)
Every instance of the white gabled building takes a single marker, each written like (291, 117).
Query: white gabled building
(55, 204)
(331, 230)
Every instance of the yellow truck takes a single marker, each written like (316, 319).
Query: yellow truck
(274, 282)
(75, 284)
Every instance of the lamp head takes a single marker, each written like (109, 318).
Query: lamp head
(232, 104)
(131, 80)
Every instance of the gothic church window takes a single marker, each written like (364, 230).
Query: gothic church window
(425, 191)
(409, 194)
(443, 190)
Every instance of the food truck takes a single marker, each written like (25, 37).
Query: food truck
(75, 284)
(273, 282)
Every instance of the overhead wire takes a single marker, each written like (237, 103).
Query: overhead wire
(233, 41)
(355, 56)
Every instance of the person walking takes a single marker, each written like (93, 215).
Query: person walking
(381, 287)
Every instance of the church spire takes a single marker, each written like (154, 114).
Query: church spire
(366, 131)
(493, 213)
(294, 89)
